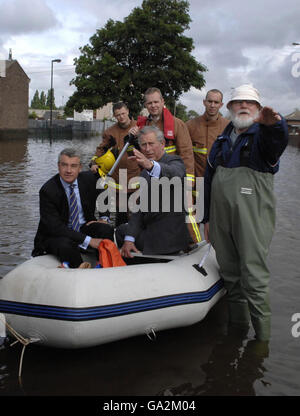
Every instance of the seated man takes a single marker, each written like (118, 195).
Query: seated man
(163, 231)
(67, 213)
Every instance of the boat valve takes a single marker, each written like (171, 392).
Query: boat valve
(151, 334)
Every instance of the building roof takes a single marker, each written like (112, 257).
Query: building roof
(295, 116)
(10, 62)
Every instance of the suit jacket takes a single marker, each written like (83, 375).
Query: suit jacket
(181, 145)
(54, 210)
(163, 232)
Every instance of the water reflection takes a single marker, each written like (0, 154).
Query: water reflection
(238, 363)
(25, 165)
(294, 140)
(12, 151)
(233, 368)
(198, 360)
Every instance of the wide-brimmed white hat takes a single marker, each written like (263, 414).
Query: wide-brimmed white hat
(244, 92)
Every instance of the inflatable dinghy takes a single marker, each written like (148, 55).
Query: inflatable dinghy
(77, 308)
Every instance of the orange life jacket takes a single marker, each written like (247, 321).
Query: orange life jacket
(109, 255)
(168, 123)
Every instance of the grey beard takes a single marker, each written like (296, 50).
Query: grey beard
(241, 123)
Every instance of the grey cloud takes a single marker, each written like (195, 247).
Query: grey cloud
(252, 23)
(269, 29)
(227, 57)
(230, 38)
(22, 17)
(278, 86)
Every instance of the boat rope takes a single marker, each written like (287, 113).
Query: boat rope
(21, 339)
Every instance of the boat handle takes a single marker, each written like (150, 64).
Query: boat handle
(151, 334)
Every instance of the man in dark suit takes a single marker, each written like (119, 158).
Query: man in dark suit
(63, 230)
(159, 230)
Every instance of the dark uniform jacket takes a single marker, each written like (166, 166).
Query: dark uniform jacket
(258, 148)
(163, 232)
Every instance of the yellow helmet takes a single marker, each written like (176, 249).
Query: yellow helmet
(105, 162)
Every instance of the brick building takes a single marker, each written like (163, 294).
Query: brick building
(14, 90)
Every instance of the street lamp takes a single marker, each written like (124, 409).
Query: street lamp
(51, 90)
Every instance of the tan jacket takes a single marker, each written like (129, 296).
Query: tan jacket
(133, 169)
(203, 133)
(181, 146)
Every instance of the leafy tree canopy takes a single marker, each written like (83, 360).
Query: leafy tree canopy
(192, 114)
(180, 112)
(147, 49)
(35, 102)
(43, 102)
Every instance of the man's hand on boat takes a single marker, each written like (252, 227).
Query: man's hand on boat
(127, 248)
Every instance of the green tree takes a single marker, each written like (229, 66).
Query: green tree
(42, 101)
(68, 112)
(147, 49)
(35, 102)
(180, 112)
(33, 115)
(192, 114)
(48, 100)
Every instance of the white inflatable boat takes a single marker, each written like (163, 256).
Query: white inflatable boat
(77, 308)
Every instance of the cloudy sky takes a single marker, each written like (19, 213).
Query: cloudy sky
(239, 42)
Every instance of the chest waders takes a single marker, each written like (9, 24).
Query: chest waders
(242, 221)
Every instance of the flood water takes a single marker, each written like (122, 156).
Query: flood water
(200, 360)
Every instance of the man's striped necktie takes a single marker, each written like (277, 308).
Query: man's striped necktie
(74, 211)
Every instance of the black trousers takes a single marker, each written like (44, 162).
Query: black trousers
(120, 217)
(68, 250)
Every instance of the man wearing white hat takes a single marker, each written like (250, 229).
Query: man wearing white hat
(239, 214)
